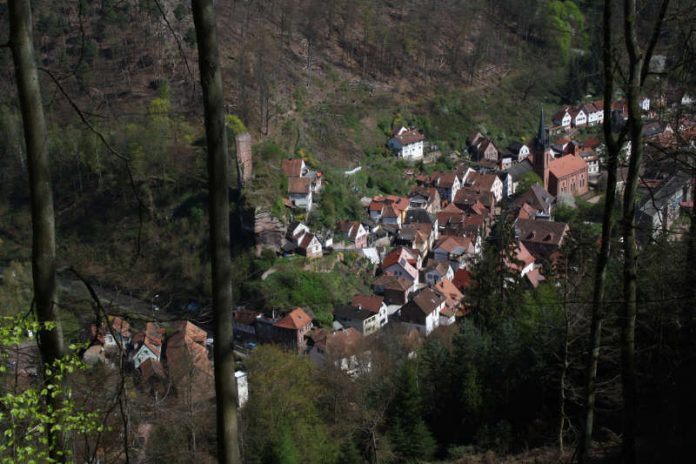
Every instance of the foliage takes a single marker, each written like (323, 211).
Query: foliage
(281, 421)
(408, 434)
(318, 291)
(234, 124)
(25, 414)
(527, 180)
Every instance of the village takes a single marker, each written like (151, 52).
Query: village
(421, 247)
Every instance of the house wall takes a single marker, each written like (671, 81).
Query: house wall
(301, 201)
(412, 151)
(143, 354)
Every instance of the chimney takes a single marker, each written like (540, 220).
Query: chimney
(244, 160)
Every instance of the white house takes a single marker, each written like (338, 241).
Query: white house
(644, 104)
(562, 118)
(407, 143)
(240, 378)
(437, 271)
(519, 150)
(423, 311)
(578, 117)
(300, 192)
(145, 352)
(366, 314)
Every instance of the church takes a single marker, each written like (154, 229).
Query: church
(567, 174)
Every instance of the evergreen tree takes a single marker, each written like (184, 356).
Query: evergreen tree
(407, 432)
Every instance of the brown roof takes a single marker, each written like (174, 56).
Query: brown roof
(370, 302)
(545, 232)
(298, 185)
(306, 240)
(444, 179)
(295, 319)
(523, 255)
(292, 167)
(481, 182)
(151, 368)
(567, 165)
(450, 242)
(462, 279)
(410, 136)
(245, 316)
(191, 332)
(425, 302)
(451, 293)
(342, 343)
(392, 283)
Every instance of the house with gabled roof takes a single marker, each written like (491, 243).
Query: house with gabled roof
(310, 246)
(425, 198)
(422, 312)
(485, 183)
(446, 183)
(300, 192)
(454, 302)
(435, 271)
(395, 289)
(450, 216)
(148, 344)
(354, 231)
(398, 265)
(578, 117)
(189, 367)
(519, 150)
(388, 209)
(341, 347)
(290, 330)
(365, 313)
(418, 236)
(537, 198)
(522, 262)
(541, 238)
(407, 143)
(294, 167)
(511, 177)
(562, 118)
(456, 250)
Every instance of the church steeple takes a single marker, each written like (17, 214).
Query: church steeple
(542, 139)
(541, 153)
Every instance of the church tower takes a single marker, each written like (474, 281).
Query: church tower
(541, 152)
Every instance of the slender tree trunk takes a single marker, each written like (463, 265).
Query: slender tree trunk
(216, 137)
(50, 336)
(628, 316)
(613, 148)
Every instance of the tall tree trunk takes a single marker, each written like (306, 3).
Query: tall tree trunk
(638, 63)
(216, 137)
(50, 336)
(613, 148)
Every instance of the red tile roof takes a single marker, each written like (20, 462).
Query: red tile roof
(371, 303)
(567, 165)
(410, 136)
(292, 167)
(298, 185)
(295, 319)
(462, 279)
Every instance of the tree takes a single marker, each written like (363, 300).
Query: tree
(50, 335)
(527, 180)
(281, 420)
(638, 66)
(218, 203)
(407, 432)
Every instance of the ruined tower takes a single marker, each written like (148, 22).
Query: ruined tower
(244, 160)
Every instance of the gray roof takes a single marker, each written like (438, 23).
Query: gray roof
(519, 169)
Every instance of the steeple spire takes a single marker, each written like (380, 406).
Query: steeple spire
(541, 138)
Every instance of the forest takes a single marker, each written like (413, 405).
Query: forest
(120, 198)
